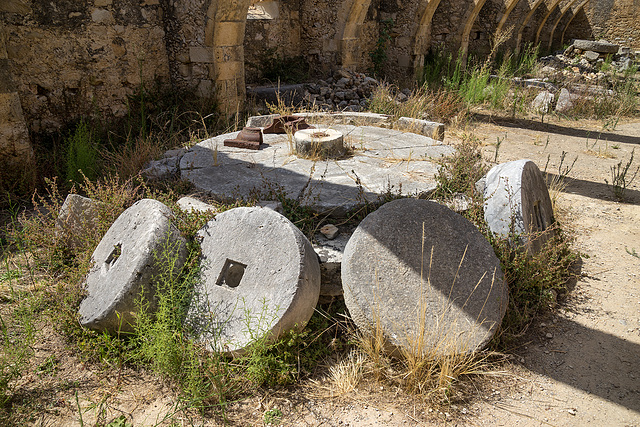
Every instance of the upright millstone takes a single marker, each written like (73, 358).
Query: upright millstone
(260, 277)
(424, 278)
(138, 248)
(517, 203)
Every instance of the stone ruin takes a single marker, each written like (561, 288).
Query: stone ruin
(413, 270)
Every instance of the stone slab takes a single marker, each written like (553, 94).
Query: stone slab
(596, 46)
(517, 203)
(433, 130)
(77, 215)
(133, 252)
(383, 160)
(260, 277)
(191, 204)
(424, 277)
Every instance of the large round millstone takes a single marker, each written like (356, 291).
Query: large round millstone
(517, 203)
(260, 277)
(424, 277)
(138, 247)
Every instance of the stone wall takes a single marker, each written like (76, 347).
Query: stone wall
(63, 59)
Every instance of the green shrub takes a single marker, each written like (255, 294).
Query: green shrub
(82, 154)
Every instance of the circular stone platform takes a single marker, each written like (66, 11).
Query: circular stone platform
(383, 160)
(424, 277)
(260, 277)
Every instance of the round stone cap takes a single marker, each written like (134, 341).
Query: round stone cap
(321, 143)
(260, 277)
(517, 203)
(136, 249)
(424, 277)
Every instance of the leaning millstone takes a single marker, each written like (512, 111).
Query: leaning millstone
(77, 215)
(423, 278)
(517, 203)
(140, 246)
(433, 130)
(260, 277)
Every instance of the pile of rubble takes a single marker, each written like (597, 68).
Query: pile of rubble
(585, 57)
(343, 91)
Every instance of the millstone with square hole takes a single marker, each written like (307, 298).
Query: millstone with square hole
(424, 278)
(517, 203)
(260, 277)
(140, 246)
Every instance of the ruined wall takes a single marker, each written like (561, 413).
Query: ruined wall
(272, 33)
(61, 59)
(70, 58)
(617, 21)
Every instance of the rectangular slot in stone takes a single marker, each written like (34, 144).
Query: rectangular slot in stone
(231, 274)
(114, 255)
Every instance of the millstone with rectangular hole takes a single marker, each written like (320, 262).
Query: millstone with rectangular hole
(260, 277)
(424, 278)
(517, 203)
(141, 245)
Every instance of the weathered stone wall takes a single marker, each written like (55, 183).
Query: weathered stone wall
(617, 21)
(65, 58)
(72, 58)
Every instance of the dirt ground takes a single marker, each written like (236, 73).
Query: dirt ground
(579, 365)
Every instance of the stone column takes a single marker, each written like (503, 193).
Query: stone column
(16, 153)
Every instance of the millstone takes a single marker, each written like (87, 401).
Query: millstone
(139, 246)
(517, 203)
(425, 278)
(260, 277)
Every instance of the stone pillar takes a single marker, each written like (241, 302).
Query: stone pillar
(227, 37)
(16, 153)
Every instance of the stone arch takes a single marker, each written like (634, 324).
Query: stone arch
(511, 4)
(224, 39)
(525, 22)
(466, 30)
(422, 39)
(563, 13)
(554, 6)
(351, 34)
(578, 9)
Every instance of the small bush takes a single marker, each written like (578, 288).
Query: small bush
(82, 154)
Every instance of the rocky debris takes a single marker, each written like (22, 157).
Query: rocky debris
(167, 166)
(140, 246)
(542, 102)
(343, 91)
(400, 277)
(330, 253)
(565, 100)
(260, 277)
(517, 204)
(329, 231)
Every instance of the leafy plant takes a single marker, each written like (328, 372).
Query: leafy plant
(82, 154)
(379, 53)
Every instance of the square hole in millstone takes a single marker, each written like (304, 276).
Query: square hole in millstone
(231, 273)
